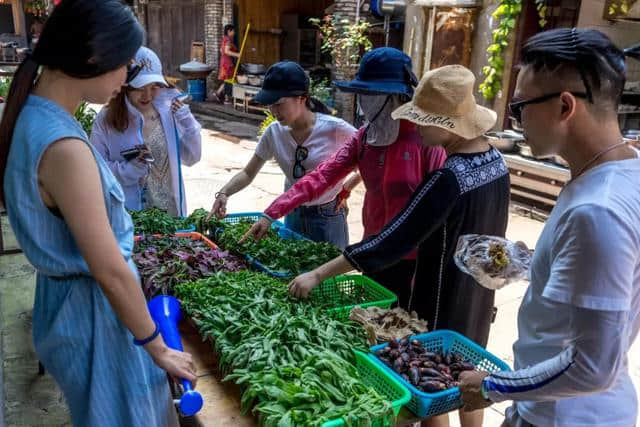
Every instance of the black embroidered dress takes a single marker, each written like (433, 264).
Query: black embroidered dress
(469, 195)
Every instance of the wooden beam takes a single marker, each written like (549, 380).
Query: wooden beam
(19, 23)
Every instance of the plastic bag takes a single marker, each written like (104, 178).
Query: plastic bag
(492, 261)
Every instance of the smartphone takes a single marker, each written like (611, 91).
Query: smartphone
(135, 152)
(130, 154)
(184, 98)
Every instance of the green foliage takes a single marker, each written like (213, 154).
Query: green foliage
(619, 7)
(5, 84)
(321, 90)
(342, 39)
(507, 14)
(85, 115)
(541, 7)
(266, 122)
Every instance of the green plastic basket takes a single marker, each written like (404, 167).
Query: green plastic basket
(342, 293)
(372, 375)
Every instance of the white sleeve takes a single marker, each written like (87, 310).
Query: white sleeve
(264, 150)
(126, 172)
(593, 359)
(190, 139)
(594, 256)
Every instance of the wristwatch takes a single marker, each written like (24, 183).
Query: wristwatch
(220, 193)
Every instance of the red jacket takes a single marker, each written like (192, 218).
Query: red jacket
(390, 175)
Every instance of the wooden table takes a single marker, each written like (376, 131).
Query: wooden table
(242, 96)
(222, 400)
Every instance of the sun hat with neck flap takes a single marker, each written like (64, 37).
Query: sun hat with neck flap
(444, 98)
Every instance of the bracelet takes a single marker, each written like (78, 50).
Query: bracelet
(220, 193)
(147, 340)
(484, 391)
(267, 217)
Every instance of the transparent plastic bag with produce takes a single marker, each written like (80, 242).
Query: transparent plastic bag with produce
(493, 262)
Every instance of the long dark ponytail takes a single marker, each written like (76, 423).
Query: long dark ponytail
(316, 106)
(83, 39)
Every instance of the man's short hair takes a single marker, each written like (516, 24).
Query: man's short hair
(588, 53)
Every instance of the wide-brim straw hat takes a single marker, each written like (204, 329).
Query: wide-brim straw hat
(444, 98)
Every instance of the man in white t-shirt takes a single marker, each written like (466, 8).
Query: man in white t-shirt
(579, 315)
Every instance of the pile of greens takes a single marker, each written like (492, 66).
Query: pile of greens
(294, 361)
(322, 388)
(157, 221)
(164, 262)
(198, 218)
(288, 256)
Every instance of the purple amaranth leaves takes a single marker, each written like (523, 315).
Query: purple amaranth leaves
(164, 262)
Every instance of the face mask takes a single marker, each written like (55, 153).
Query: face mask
(382, 130)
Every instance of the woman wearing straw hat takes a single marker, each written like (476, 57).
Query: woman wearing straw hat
(387, 153)
(470, 194)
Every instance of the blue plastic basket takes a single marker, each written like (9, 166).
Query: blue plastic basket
(283, 233)
(426, 405)
(187, 230)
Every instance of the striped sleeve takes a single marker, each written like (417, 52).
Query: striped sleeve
(590, 363)
(427, 210)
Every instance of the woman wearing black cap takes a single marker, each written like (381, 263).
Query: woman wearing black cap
(388, 154)
(302, 137)
(92, 330)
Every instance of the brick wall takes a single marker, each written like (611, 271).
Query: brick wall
(213, 11)
(217, 13)
(345, 102)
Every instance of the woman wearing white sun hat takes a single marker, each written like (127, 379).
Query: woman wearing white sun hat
(469, 195)
(148, 115)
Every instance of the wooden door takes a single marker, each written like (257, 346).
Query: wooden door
(172, 25)
(452, 36)
(560, 14)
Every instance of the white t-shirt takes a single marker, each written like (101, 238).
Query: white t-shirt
(588, 257)
(329, 133)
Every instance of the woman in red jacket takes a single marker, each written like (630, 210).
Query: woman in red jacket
(388, 154)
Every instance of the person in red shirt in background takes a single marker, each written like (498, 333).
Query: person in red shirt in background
(228, 51)
(388, 154)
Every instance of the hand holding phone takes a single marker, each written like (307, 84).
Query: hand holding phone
(130, 154)
(179, 102)
(140, 152)
(145, 154)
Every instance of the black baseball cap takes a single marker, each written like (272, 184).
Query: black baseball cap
(283, 79)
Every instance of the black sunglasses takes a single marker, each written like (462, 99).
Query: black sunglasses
(301, 155)
(515, 108)
(132, 72)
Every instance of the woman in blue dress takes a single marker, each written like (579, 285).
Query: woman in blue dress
(91, 327)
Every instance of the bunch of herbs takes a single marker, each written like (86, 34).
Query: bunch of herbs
(292, 359)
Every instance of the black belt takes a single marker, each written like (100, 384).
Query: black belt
(318, 208)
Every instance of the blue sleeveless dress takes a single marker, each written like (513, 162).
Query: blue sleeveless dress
(106, 379)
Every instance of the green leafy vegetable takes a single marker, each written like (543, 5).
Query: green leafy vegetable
(294, 361)
(289, 256)
(157, 221)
